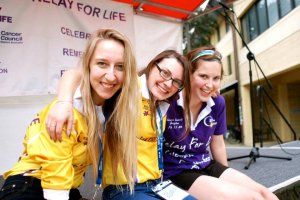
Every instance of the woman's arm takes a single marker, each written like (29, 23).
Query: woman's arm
(61, 112)
(53, 161)
(218, 150)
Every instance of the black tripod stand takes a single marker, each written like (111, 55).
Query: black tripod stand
(254, 153)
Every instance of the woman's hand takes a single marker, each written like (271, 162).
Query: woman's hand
(60, 114)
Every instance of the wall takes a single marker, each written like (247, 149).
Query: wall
(15, 115)
(277, 52)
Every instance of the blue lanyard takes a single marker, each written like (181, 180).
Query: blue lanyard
(160, 140)
(100, 164)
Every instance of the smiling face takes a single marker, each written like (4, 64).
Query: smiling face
(205, 80)
(106, 70)
(161, 88)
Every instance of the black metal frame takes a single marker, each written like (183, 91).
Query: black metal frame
(254, 153)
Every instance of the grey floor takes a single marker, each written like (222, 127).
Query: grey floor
(268, 171)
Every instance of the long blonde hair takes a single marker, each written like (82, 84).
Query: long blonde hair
(121, 125)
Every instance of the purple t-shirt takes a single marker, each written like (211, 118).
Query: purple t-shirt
(192, 152)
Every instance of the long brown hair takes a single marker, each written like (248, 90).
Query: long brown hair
(186, 82)
(121, 125)
(207, 53)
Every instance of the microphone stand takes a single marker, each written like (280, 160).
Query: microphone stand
(254, 153)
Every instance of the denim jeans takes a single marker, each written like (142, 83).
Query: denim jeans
(20, 187)
(142, 191)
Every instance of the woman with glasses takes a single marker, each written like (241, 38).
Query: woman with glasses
(187, 159)
(160, 82)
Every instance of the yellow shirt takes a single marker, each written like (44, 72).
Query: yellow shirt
(59, 165)
(146, 145)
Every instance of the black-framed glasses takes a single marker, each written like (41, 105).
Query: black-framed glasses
(168, 76)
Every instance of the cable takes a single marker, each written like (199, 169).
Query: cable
(278, 142)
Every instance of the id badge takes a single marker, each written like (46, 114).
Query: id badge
(167, 190)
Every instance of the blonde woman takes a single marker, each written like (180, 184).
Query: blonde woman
(107, 97)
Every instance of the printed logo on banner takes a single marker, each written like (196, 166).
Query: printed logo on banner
(3, 69)
(5, 19)
(11, 37)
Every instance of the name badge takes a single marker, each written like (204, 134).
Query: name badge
(167, 190)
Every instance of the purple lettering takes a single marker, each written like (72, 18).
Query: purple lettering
(62, 2)
(62, 72)
(65, 3)
(3, 71)
(70, 3)
(65, 52)
(87, 9)
(113, 15)
(72, 52)
(96, 12)
(76, 34)
(122, 16)
(104, 15)
(7, 19)
(79, 6)
(35, 121)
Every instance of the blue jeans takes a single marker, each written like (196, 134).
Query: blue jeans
(142, 191)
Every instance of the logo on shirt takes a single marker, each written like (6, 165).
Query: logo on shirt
(36, 120)
(148, 139)
(209, 121)
(146, 113)
(82, 139)
(146, 108)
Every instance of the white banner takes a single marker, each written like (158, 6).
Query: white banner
(153, 35)
(39, 39)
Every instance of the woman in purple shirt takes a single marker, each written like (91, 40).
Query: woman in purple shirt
(187, 160)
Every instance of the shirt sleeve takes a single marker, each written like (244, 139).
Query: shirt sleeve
(55, 158)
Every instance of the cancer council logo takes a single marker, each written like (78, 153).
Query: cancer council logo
(11, 37)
